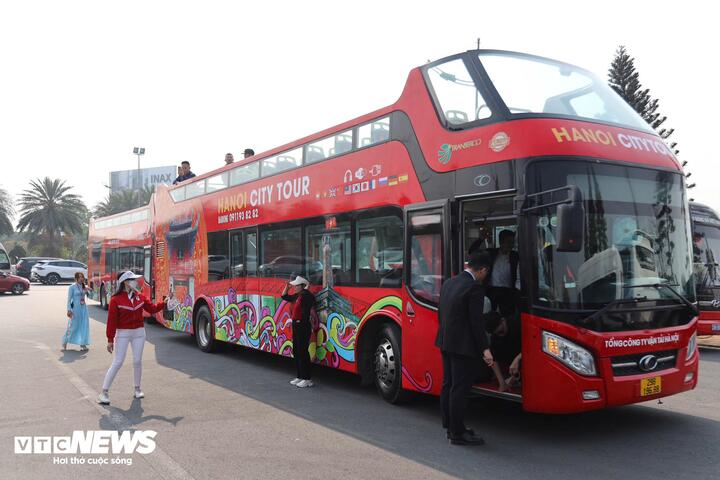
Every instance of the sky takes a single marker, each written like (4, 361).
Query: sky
(83, 82)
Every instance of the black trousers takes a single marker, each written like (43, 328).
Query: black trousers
(504, 300)
(301, 341)
(459, 373)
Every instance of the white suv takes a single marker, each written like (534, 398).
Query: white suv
(53, 271)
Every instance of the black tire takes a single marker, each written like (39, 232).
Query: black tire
(388, 365)
(52, 278)
(103, 298)
(205, 331)
(17, 289)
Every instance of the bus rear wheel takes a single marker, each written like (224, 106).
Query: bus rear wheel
(204, 330)
(388, 366)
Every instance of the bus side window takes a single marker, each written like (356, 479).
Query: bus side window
(217, 255)
(379, 255)
(281, 253)
(426, 259)
(109, 259)
(251, 254)
(339, 253)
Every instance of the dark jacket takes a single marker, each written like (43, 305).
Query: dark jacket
(461, 328)
(514, 261)
(182, 178)
(306, 303)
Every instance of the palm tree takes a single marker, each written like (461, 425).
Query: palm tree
(122, 201)
(47, 210)
(6, 213)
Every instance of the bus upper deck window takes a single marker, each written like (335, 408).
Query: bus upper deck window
(458, 98)
(374, 132)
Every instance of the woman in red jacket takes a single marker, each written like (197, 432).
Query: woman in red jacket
(125, 326)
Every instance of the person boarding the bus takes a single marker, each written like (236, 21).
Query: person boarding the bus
(505, 346)
(463, 342)
(78, 330)
(302, 303)
(504, 280)
(126, 327)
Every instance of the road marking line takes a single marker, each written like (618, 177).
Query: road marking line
(159, 460)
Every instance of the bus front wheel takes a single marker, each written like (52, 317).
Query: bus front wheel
(204, 330)
(388, 367)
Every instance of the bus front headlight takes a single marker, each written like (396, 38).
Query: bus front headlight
(692, 346)
(569, 353)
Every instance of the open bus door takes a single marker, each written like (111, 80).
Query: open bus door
(147, 271)
(428, 246)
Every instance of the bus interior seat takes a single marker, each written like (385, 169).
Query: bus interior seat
(285, 162)
(314, 153)
(379, 132)
(364, 142)
(558, 106)
(456, 117)
(343, 143)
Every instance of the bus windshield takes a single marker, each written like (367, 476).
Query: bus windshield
(534, 85)
(636, 238)
(706, 257)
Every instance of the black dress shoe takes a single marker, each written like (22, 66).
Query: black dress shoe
(466, 439)
(468, 430)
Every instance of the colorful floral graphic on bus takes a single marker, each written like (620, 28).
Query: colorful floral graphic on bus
(181, 238)
(264, 323)
(420, 387)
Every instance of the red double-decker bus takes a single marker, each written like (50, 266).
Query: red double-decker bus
(378, 211)
(116, 244)
(706, 258)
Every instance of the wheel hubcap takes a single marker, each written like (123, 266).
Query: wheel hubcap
(204, 331)
(385, 365)
(18, 289)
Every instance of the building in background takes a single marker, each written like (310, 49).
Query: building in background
(149, 177)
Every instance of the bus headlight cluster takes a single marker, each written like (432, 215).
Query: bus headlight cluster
(569, 353)
(692, 346)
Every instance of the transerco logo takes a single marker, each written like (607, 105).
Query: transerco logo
(499, 141)
(445, 153)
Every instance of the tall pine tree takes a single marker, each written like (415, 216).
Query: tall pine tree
(625, 80)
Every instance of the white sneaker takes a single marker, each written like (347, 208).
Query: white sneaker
(304, 384)
(139, 394)
(103, 399)
(295, 381)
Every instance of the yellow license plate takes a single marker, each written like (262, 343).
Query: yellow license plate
(650, 386)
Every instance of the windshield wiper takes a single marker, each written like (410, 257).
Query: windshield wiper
(609, 305)
(669, 286)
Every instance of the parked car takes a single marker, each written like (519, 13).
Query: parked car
(12, 283)
(287, 266)
(25, 264)
(52, 271)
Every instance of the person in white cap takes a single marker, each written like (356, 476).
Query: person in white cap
(126, 326)
(302, 303)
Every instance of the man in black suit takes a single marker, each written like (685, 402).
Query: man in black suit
(462, 341)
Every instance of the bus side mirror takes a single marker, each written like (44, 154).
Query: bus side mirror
(571, 223)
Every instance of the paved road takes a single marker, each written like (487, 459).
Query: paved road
(234, 415)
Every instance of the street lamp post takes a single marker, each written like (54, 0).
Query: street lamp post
(139, 151)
